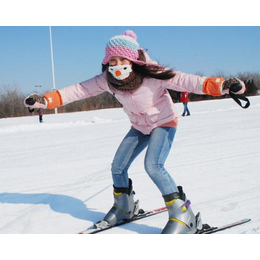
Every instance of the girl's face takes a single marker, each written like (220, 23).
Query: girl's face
(117, 61)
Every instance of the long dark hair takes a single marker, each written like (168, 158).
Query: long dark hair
(149, 70)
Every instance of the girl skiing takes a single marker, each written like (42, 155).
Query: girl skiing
(141, 87)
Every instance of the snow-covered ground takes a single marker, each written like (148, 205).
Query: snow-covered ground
(55, 177)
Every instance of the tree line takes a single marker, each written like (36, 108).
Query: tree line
(11, 98)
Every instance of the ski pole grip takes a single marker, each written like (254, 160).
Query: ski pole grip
(30, 101)
(236, 87)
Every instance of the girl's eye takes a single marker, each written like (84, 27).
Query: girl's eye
(111, 62)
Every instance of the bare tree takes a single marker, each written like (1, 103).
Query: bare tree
(10, 102)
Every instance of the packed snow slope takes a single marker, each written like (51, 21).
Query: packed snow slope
(55, 177)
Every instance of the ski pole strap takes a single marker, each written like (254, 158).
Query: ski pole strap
(31, 110)
(237, 99)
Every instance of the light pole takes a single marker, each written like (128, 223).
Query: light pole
(36, 88)
(52, 66)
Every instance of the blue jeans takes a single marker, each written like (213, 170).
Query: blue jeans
(158, 145)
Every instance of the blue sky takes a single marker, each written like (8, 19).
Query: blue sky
(25, 58)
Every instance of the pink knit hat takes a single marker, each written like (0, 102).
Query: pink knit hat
(124, 45)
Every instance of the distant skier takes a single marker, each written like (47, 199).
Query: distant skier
(185, 100)
(141, 86)
(40, 113)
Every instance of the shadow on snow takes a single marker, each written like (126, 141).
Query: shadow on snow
(68, 205)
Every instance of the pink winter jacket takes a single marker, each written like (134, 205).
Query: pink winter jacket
(149, 106)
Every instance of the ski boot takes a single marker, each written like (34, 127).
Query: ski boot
(181, 218)
(124, 207)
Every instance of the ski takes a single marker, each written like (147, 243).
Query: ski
(206, 229)
(141, 214)
(209, 230)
